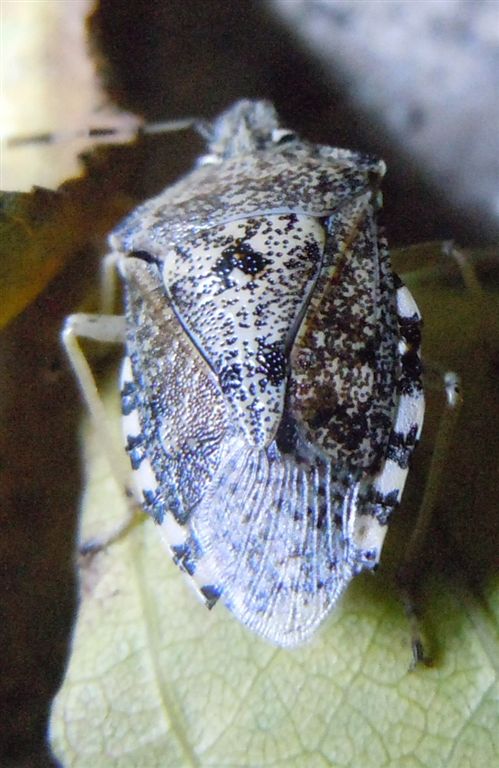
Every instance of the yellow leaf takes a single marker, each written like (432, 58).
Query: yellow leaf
(42, 230)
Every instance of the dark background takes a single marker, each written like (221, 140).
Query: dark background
(173, 59)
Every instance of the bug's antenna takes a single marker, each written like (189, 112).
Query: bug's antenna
(169, 126)
(104, 133)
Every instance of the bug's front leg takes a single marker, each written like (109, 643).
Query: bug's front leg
(107, 329)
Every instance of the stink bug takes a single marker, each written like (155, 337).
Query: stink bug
(271, 388)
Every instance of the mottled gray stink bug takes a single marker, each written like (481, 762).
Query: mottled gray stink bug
(271, 389)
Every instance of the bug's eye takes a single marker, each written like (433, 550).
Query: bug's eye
(144, 256)
(282, 136)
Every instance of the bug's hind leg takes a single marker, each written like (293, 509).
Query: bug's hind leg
(409, 570)
(108, 329)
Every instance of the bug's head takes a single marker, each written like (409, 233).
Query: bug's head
(246, 127)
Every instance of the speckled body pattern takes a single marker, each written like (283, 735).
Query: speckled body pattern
(271, 391)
